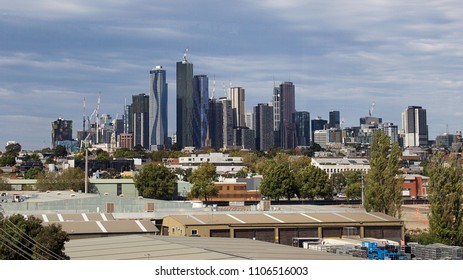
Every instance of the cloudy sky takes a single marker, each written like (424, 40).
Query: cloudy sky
(340, 54)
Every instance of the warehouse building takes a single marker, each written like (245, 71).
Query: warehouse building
(285, 228)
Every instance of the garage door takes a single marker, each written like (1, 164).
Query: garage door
(373, 232)
(332, 232)
(392, 233)
(267, 235)
(219, 233)
(286, 234)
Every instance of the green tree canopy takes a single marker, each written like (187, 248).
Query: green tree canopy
(3, 185)
(156, 181)
(278, 182)
(203, 179)
(69, 179)
(354, 184)
(445, 195)
(314, 182)
(383, 190)
(33, 172)
(60, 151)
(28, 239)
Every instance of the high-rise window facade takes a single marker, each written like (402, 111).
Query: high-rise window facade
(200, 104)
(158, 108)
(415, 127)
(185, 104)
(302, 122)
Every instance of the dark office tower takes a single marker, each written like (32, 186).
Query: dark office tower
(215, 114)
(140, 120)
(227, 123)
(415, 127)
(185, 103)
(264, 127)
(237, 97)
(200, 104)
(335, 120)
(287, 109)
(317, 124)
(302, 122)
(276, 108)
(61, 130)
(127, 119)
(158, 108)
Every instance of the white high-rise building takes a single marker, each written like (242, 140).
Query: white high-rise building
(414, 127)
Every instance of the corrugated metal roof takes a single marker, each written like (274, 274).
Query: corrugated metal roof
(276, 218)
(187, 248)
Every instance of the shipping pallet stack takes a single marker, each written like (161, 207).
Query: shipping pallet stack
(436, 251)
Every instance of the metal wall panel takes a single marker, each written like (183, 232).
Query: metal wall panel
(219, 233)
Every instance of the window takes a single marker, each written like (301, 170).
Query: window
(194, 232)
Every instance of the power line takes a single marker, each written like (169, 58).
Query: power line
(26, 254)
(33, 242)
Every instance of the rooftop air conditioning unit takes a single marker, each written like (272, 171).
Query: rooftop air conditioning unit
(109, 207)
(149, 207)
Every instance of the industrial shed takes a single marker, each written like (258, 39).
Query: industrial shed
(86, 225)
(283, 228)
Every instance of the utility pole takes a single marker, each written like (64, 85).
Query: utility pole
(363, 190)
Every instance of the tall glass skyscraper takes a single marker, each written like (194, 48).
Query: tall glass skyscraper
(158, 108)
(200, 107)
(287, 109)
(264, 127)
(335, 119)
(302, 121)
(185, 104)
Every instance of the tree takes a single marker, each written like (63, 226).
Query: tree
(69, 179)
(102, 155)
(278, 182)
(3, 185)
(445, 194)
(354, 184)
(60, 151)
(33, 172)
(338, 182)
(314, 182)
(26, 239)
(203, 179)
(383, 190)
(156, 181)
(72, 179)
(8, 158)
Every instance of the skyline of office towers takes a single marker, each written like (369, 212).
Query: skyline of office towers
(158, 108)
(200, 107)
(264, 127)
(302, 122)
(287, 110)
(414, 127)
(185, 104)
(139, 126)
(237, 97)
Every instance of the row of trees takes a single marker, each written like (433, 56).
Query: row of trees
(28, 239)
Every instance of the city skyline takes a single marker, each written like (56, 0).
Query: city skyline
(55, 56)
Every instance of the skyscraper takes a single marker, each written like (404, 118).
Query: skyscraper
(200, 104)
(185, 103)
(140, 120)
(237, 97)
(264, 127)
(335, 120)
(287, 109)
(158, 108)
(215, 114)
(302, 122)
(317, 124)
(61, 130)
(415, 127)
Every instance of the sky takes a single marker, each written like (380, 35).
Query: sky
(341, 55)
